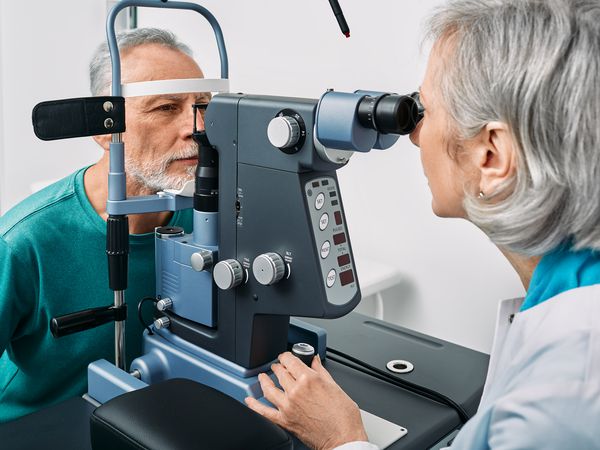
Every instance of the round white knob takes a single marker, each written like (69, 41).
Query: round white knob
(228, 274)
(283, 131)
(268, 268)
(162, 322)
(201, 260)
(164, 304)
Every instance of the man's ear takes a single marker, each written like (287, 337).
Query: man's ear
(495, 157)
(103, 141)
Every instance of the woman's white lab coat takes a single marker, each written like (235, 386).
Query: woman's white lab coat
(543, 385)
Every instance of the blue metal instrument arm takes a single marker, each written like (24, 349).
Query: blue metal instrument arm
(112, 38)
(118, 204)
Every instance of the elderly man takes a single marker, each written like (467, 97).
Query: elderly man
(52, 244)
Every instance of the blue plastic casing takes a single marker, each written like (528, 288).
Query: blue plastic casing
(338, 127)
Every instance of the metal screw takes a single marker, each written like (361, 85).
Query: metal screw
(108, 106)
(108, 123)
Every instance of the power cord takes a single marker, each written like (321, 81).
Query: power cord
(139, 309)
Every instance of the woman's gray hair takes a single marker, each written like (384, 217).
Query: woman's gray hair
(534, 65)
(100, 65)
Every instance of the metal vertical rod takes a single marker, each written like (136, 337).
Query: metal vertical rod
(118, 170)
(120, 333)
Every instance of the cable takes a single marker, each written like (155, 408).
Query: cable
(139, 308)
(384, 376)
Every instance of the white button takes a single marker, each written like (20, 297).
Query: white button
(325, 249)
(324, 221)
(331, 278)
(320, 201)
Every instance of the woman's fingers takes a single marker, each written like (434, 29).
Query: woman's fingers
(270, 391)
(283, 376)
(293, 365)
(318, 367)
(266, 411)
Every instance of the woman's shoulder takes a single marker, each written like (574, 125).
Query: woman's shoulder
(546, 391)
(574, 310)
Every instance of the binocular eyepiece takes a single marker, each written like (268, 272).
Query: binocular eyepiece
(390, 113)
(365, 120)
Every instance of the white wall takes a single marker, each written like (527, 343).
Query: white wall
(45, 52)
(2, 165)
(454, 276)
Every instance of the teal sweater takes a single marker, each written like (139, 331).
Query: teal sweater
(53, 262)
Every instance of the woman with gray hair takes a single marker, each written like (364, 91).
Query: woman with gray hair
(510, 141)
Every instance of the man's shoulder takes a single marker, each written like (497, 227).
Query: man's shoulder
(39, 208)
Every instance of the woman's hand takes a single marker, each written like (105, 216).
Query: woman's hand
(311, 404)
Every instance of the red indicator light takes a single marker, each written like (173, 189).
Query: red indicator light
(338, 217)
(339, 238)
(343, 260)
(346, 277)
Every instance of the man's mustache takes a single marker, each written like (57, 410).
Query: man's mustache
(190, 152)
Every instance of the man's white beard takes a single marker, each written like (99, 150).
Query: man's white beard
(153, 174)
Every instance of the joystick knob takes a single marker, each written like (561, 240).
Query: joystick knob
(283, 131)
(268, 268)
(305, 352)
(228, 274)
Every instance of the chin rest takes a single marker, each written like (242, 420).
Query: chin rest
(181, 414)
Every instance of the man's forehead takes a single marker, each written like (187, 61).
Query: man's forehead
(150, 62)
(197, 97)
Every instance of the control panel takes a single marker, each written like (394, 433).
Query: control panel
(331, 238)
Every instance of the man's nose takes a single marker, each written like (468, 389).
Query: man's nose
(414, 136)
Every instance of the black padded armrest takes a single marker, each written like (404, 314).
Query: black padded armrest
(181, 414)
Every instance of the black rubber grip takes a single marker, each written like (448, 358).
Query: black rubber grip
(85, 320)
(117, 250)
(206, 197)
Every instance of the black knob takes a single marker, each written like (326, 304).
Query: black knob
(305, 352)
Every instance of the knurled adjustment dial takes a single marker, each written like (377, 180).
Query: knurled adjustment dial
(201, 260)
(268, 268)
(228, 274)
(283, 131)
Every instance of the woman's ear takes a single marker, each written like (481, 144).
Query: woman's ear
(103, 141)
(495, 157)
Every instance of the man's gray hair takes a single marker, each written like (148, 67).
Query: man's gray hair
(534, 65)
(100, 65)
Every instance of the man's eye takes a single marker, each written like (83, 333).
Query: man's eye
(166, 107)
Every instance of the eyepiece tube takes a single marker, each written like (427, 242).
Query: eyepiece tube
(390, 113)
(206, 194)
